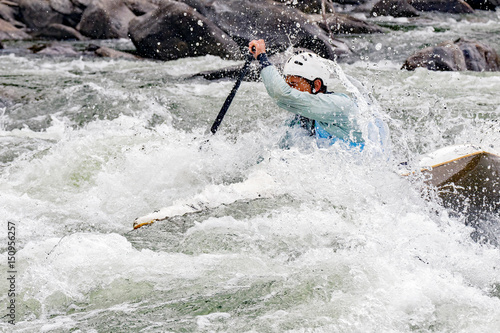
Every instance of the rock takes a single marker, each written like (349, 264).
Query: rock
(483, 4)
(10, 32)
(37, 14)
(106, 52)
(199, 5)
(106, 19)
(140, 7)
(280, 26)
(59, 32)
(455, 56)
(81, 3)
(346, 24)
(478, 56)
(446, 6)
(444, 57)
(394, 8)
(56, 50)
(308, 6)
(11, 15)
(176, 30)
(72, 13)
(351, 2)
(63, 6)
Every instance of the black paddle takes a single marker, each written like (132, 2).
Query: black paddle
(229, 98)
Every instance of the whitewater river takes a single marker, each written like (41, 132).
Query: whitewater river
(318, 239)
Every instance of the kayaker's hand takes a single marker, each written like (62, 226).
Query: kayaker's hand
(257, 47)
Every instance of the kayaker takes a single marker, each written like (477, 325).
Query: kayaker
(326, 115)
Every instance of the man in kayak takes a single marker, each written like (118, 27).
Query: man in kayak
(326, 115)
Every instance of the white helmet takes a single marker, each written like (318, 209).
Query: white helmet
(308, 65)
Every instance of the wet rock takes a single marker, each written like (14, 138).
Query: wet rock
(106, 19)
(59, 32)
(483, 4)
(346, 24)
(280, 26)
(63, 6)
(11, 15)
(455, 56)
(395, 8)
(81, 3)
(37, 14)
(140, 7)
(446, 6)
(107, 52)
(55, 50)
(7, 13)
(10, 32)
(478, 56)
(175, 30)
(444, 57)
(309, 6)
(351, 2)
(72, 13)
(199, 5)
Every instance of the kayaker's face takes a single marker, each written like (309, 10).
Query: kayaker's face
(299, 83)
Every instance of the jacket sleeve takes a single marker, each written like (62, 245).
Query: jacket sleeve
(335, 112)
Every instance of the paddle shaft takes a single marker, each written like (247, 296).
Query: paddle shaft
(229, 98)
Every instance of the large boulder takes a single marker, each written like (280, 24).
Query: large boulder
(484, 4)
(59, 32)
(140, 7)
(37, 14)
(106, 19)
(455, 56)
(446, 6)
(444, 57)
(351, 2)
(394, 8)
(11, 15)
(309, 6)
(64, 6)
(199, 5)
(10, 32)
(478, 56)
(72, 12)
(279, 25)
(81, 3)
(175, 30)
(346, 24)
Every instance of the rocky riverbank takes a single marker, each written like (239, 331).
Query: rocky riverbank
(168, 30)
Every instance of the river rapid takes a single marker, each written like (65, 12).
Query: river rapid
(318, 239)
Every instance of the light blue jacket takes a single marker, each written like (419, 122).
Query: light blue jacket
(334, 113)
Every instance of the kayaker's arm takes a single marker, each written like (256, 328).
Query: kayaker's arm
(322, 107)
(334, 112)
